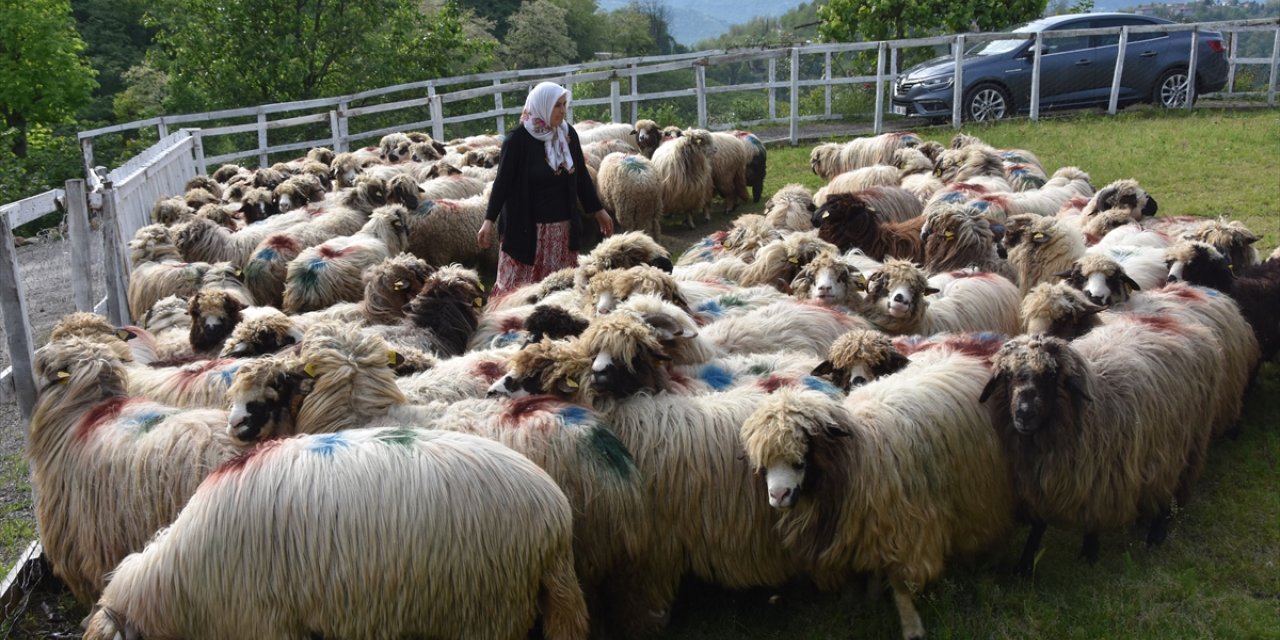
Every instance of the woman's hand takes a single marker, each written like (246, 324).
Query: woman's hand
(605, 222)
(486, 232)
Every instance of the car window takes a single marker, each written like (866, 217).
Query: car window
(1114, 39)
(1063, 45)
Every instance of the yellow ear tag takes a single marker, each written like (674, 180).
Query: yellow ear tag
(310, 370)
(950, 235)
(399, 285)
(1038, 236)
(63, 376)
(481, 286)
(793, 260)
(237, 273)
(571, 383)
(478, 302)
(392, 356)
(123, 335)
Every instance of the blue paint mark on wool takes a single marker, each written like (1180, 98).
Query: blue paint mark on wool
(424, 208)
(1208, 291)
(574, 415)
(818, 384)
(710, 307)
(266, 254)
(146, 420)
(954, 196)
(326, 444)
(228, 373)
(507, 337)
(716, 377)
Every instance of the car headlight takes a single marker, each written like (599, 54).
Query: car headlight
(933, 84)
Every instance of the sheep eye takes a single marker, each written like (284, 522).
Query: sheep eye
(858, 380)
(799, 466)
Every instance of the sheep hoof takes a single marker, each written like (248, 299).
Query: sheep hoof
(1089, 549)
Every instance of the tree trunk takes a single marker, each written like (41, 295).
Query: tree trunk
(19, 123)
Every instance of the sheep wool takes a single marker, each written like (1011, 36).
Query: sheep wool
(631, 189)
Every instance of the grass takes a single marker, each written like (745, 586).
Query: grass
(1218, 575)
(17, 525)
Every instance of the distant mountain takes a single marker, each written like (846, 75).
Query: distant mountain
(694, 20)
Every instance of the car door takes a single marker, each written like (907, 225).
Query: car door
(1067, 69)
(1144, 57)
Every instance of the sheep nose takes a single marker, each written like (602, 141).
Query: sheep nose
(1096, 299)
(898, 297)
(858, 381)
(780, 497)
(1173, 278)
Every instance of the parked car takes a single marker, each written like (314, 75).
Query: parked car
(1075, 71)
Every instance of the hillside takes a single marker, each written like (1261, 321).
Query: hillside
(694, 20)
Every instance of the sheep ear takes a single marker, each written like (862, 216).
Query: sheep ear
(665, 328)
(1077, 384)
(992, 384)
(895, 362)
(928, 291)
(824, 368)
(1129, 282)
(834, 431)
(125, 334)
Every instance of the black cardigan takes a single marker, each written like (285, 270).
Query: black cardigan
(509, 199)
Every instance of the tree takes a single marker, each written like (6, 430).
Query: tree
(628, 34)
(539, 37)
(44, 78)
(232, 53)
(497, 12)
(115, 41)
(853, 20)
(586, 27)
(659, 16)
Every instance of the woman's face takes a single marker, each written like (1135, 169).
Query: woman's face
(557, 112)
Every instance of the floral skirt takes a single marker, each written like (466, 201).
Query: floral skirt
(553, 255)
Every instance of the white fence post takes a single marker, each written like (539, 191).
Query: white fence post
(262, 139)
(795, 96)
(343, 144)
(1035, 76)
(116, 272)
(878, 123)
(197, 146)
(1114, 103)
(1275, 69)
(81, 249)
(501, 120)
(826, 75)
(1231, 60)
(17, 329)
(437, 114)
(773, 96)
(957, 92)
(86, 152)
(615, 101)
(700, 79)
(162, 128)
(1191, 67)
(635, 95)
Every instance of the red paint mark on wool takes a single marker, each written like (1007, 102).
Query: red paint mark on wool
(329, 253)
(907, 345)
(314, 211)
(978, 346)
(775, 382)
(980, 275)
(519, 409)
(1188, 293)
(1162, 324)
(237, 464)
(187, 376)
(282, 242)
(489, 371)
(513, 323)
(100, 415)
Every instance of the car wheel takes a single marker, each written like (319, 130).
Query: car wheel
(986, 102)
(1170, 91)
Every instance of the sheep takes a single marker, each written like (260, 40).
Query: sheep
(1040, 246)
(1125, 194)
(621, 251)
(973, 164)
(298, 191)
(443, 231)
(330, 272)
(757, 164)
(1093, 437)
(1058, 309)
(1254, 289)
(830, 280)
(108, 469)
(595, 152)
(631, 189)
(152, 280)
(347, 165)
(442, 316)
(899, 299)
(861, 356)
(879, 175)
(729, 159)
(1232, 239)
(394, 147)
(647, 135)
(831, 159)
(1067, 183)
(198, 197)
(915, 172)
(686, 170)
(788, 325)
(790, 208)
(606, 131)
(852, 220)
(957, 237)
(1109, 277)
(776, 264)
(607, 288)
(169, 325)
(405, 552)
(170, 211)
(445, 182)
(93, 327)
(906, 473)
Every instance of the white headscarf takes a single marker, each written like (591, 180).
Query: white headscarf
(535, 118)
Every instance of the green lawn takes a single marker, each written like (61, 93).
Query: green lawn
(1218, 575)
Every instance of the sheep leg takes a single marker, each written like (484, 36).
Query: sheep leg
(1027, 564)
(688, 220)
(1159, 527)
(912, 626)
(1089, 549)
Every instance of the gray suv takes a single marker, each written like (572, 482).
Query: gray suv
(1075, 71)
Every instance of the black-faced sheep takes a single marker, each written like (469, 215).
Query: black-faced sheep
(109, 469)
(1121, 194)
(907, 473)
(1231, 238)
(852, 220)
(1093, 437)
(776, 264)
(631, 189)
(405, 552)
(1255, 289)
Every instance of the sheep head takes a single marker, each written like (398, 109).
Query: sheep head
(153, 243)
(214, 314)
(1122, 194)
(225, 216)
(829, 280)
(264, 333)
(956, 236)
(557, 367)
(1058, 309)
(859, 357)
(425, 151)
(968, 161)
(1232, 239)
(750, 231)
(897, 291)
(846, 220)
(608, 288)
(622, 251)
(105, 623)
(1199, 263)
(95, 328)
(259, 203)
(170, 211)
(1101, 279)
(265, 396)
(391, 284)
(823, 158)
(554, 322)
(1036, 381)
(911, 161)
(88, 369)
(394, 147)
(791, 208)
(648, 136)
(627, 356)
(404, 189)
(783, 436)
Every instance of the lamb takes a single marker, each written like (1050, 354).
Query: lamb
(648, 136)
(415, 522)
(957, 237)
(1093, 438)
(831, 159)
(853, 220)
(631, 189)
(109, 469)
(898, 301)
(331, 271)
(686, 170)
(906, 473)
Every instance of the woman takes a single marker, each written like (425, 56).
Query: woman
(541, 174)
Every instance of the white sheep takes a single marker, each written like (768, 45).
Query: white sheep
(330, 272)
(454, 536)
(831, 159)
(443, 231)
(685, 167)
(631, 189)
(901, 300)
(878, 175)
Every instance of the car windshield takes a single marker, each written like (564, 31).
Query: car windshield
(1001, 47)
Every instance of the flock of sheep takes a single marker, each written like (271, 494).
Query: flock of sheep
(320, 426)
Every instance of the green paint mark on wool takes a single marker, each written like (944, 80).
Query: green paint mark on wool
(309, 277)
(610, 450)
(731, 301)
(633, 166)
(760, 369)
(402, 437)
